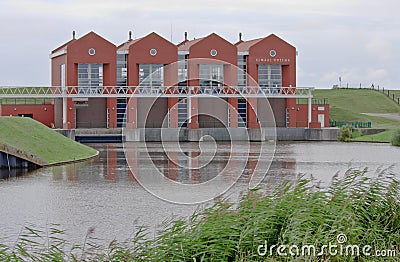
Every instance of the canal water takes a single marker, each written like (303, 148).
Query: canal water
(104, 194)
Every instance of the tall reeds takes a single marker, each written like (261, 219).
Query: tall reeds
(361, 208)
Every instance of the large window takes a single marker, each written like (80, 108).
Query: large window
(90, 75)
(151, 74)
(182, 70)
(211, 75)
(122, 72)
(242, 70)
(182, 112)
(270, 75)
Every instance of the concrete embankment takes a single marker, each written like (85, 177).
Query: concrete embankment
(188, 135)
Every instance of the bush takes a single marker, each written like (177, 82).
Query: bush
(345, 133)
(396, 138)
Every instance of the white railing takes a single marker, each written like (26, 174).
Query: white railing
(153, 91)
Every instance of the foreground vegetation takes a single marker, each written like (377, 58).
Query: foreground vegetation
(354, 210)
(35, 138)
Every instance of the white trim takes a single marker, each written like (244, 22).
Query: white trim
(184, 52)
(243, 53)
(122, 52)
(58, 53)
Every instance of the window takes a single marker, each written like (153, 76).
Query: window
(242, 112)
(151, 74)
(182, 112)
(242, 70)
(211, 75)
(182, 70)
(62, 70)
(90, 75)
(270, 75)
(122, 72)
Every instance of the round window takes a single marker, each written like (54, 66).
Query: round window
(153, 51)
(272, 53)
(213, 52)
(92, 51)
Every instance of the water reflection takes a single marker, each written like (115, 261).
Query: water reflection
(103, 192)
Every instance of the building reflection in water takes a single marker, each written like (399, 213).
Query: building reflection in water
(183, 165)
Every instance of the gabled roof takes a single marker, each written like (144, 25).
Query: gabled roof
(127, 44)
(246, 45)
(64, 46)
(185, 46)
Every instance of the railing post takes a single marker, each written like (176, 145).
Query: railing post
(309, 107)
(64, 102)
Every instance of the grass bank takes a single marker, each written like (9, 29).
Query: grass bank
(350, 104)
(382, 137)
(35, 138)
(354, 212)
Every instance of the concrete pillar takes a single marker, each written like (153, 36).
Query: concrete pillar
(131, 113)
(233, 112)
(173, 112)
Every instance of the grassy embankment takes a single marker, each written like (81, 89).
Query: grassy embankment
(37, 139)
(352, 104)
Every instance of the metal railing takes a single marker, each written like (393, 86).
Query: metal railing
(153, 91)
(355, 124)
(314, 101)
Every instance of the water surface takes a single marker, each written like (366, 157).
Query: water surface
(103, 193)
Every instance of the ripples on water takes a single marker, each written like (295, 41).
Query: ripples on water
(103, 193)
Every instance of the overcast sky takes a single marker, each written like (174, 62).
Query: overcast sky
(358, 40)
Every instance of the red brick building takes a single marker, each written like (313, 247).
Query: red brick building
(91, 62)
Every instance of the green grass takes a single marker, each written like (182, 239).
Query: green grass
(362, 208)
(35, 138)
(382, 137)
(349, 104)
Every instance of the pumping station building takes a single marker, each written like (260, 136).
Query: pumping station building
(149, 82)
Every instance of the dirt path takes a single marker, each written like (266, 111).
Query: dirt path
(390, 116)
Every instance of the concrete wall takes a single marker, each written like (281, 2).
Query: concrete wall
(94, 115)
(213, 113)
(151, 112)
(232, 134)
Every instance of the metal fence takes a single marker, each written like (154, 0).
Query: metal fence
(355, 124)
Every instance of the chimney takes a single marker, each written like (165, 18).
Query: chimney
(73, 35)
(130, 35)
(185, 36)
(240, 36)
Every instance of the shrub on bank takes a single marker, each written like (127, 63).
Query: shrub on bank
(396, 138)
(345, 133)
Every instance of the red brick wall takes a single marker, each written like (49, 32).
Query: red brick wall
(302, 114)
(42, 113)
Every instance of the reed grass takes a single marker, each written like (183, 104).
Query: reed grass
(364, 207)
